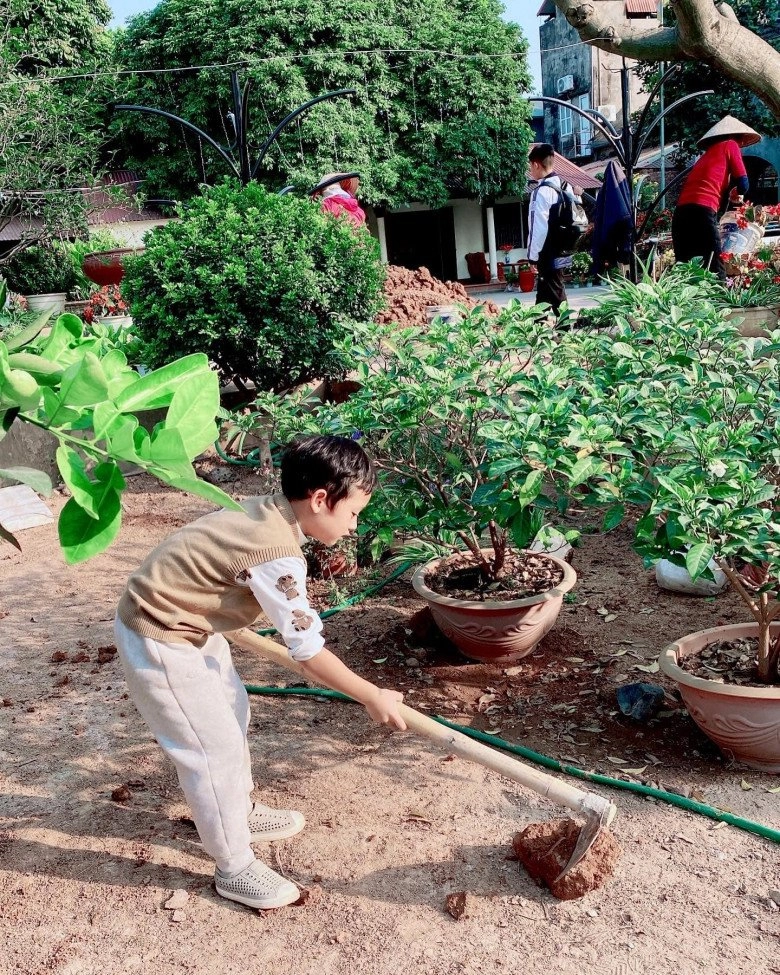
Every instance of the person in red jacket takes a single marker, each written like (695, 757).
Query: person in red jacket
(695, 231)
(337, 195)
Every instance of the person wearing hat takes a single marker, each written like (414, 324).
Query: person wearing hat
(337, 195)
(720, 168)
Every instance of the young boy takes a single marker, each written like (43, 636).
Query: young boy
(210, 577)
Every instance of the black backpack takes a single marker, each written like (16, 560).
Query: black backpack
(568, 220)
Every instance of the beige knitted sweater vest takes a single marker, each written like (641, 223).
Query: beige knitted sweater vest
(186, 588)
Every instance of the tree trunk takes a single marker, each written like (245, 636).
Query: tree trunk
(705, 31)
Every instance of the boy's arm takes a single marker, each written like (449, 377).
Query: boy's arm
(280, 589)
(540, 217)
(380, 702)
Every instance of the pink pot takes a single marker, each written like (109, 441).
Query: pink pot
(492, 631)
(744, 722)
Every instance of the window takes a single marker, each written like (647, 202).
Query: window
(565, 120)
(583, 102)
(509, 222)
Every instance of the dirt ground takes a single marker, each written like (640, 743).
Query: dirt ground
(394, 824)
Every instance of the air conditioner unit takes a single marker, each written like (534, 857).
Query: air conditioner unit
(566, 83)
(608, 111)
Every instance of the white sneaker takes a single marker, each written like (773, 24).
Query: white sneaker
(273, 824)
(257, 886)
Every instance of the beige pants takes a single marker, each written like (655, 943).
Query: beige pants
(198, 710)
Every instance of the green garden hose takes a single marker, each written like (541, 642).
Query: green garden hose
(551, 763)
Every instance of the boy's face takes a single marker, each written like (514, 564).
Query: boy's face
(328, 525)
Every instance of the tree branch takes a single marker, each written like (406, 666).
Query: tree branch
(706, 30)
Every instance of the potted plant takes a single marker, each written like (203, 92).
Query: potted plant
(502, 269)
(581, 263)
(526, 276)
(752, 293)
(697, 409)
(108, 306)
(108, 267)
(511, 277)
(44, 274)
(478, 439)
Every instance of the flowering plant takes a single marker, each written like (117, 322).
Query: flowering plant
(754, 280)
(754, 213)
(105, 303)
(506, 248)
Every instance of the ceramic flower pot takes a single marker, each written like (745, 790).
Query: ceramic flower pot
(125, 321)
(744, 722)
(492, 631)
(105, 267)
(54, 302)
(526, 280)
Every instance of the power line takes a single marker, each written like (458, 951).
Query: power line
(455, 55)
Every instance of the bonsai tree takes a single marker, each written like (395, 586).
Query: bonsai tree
(474, 428)
(266, 286)
(697, 409)
(81, 389)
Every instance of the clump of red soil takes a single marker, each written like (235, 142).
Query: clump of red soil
(544, 850)
(409, 294)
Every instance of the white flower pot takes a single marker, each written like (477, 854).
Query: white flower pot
(54, 301)
(125, 321)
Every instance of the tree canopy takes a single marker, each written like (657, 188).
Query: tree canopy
(51, 132)
(439, 108)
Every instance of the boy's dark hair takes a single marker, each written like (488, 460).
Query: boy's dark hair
(544, 154)
(333, 463)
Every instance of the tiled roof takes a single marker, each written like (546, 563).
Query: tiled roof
(641, 8)
(571, 173)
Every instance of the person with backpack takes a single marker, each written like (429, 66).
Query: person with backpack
(557, 220)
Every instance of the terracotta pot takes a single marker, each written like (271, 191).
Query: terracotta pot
(526, 280)
(105, 267)
(756, 322)
(744, 722)
(493, 631)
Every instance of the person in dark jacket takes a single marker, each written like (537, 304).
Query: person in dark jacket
(695, 231)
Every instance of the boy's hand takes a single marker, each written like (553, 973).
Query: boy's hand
(383, 708)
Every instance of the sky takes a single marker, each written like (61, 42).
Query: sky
(522, 12)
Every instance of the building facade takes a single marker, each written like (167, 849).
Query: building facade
(586, 78)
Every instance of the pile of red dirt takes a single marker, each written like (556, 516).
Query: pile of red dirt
(409, 294)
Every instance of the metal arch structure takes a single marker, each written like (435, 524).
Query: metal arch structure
(629, 143)
(243, 170)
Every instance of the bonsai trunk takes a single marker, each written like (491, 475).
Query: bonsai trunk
(765, 611)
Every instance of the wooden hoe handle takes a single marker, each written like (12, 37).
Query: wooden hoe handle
(587, 803)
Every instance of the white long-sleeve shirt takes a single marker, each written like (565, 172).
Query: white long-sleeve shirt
(543, 199)
(280, 588)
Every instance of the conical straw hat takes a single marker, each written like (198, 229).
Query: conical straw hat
(730, 128)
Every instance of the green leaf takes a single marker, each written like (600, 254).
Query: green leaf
(698, 558)
(82, 536)
(166, 449)
(31, 476)
(613, 517)
(192, 412)
(45, 372)
(195, 485)
(156, 389)
(583, 469)
(86, 493)
(28, 334)
(530, 489)
(7, 418)
(64, 331)
(84, 383)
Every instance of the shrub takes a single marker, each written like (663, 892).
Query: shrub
(39, 270)
(265, 285)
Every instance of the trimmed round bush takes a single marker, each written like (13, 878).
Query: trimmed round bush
(265, 285)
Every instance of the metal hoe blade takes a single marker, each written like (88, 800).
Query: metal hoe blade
(588, 834)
